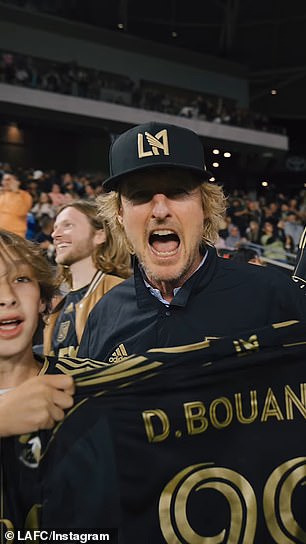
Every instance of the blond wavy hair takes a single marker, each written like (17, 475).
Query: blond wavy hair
(111, 256)
(14, 247)
(213, 202)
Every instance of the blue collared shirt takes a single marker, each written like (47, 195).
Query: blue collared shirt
(156, 292)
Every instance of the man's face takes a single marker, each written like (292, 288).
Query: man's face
(291, 218)
(162, 215)
(268, 227)
(9, 182)
(73, 236)
(20, 304)
(234, 231)
(254, 225)
(67, 178)
(273, 207)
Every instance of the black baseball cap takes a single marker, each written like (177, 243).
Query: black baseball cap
(155, 145)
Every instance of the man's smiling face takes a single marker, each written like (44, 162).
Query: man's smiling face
(162, 215)
(74, 238)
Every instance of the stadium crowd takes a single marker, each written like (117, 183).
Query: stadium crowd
(270, 223)
(75, 80)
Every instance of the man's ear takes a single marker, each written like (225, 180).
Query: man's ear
(99, 236)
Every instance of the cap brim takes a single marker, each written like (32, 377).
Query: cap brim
(111, 183)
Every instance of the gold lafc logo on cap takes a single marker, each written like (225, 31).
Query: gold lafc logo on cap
(157, 142)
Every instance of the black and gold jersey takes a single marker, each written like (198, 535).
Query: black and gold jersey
(65, 330)
(185, 443)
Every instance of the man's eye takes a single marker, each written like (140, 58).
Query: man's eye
(23, 279)
(177, 192)
(140, 196)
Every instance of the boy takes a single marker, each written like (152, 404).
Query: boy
(26, 289)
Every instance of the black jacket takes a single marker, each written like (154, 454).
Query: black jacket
(220, 299)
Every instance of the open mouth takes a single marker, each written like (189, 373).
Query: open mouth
(9, 324)
(164, 242)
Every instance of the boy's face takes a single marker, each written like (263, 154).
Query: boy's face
(20, 305)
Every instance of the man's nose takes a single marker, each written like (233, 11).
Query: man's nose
(160, 206)
(55, 233)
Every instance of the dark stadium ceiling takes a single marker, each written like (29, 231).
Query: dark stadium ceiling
(268, 36)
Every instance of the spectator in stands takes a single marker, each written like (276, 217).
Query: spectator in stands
(22, 75)
(31, 226)
(293, 206)
(273, 242)
(69, 193)
(253, 232)
(38, 175)
(91, 262)
(90, 191)
(33, 72)
(272, 212)
(51, 80)
(284, 209)
(255, 212)
(14, 205)
(9, 67)
(201, 105)
(238, 214)
(233, 240)
(32, 188)
(70, 184)
(72, 78)
(46, 179)
(293, 228)
(44, 238)
(187, 111)
(56, 195)
(82, 82)
(43, 207)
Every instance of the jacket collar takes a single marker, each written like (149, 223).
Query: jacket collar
(195, 283)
